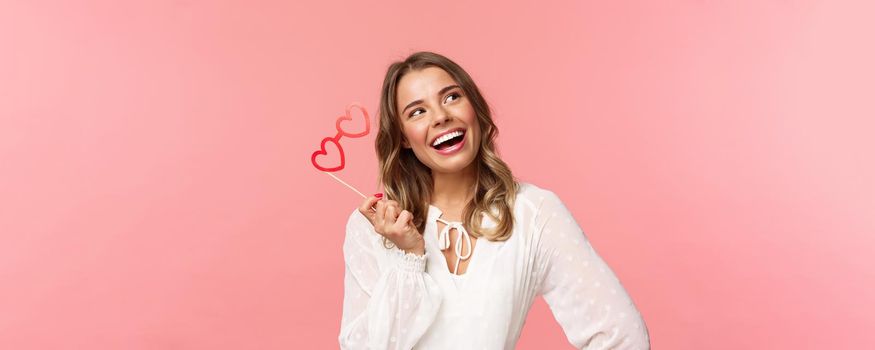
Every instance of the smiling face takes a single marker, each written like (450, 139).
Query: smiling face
(430, 103)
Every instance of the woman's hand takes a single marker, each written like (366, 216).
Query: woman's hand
(394, 224)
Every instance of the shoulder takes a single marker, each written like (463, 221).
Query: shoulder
(547, 221)
(553, 222)
(545, 207)
(537, 198)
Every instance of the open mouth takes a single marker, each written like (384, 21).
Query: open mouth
(454, 139)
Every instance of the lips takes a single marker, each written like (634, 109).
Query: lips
(454, 148)
(444, 133)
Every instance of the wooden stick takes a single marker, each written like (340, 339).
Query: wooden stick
(350, 187)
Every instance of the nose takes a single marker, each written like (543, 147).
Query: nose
(440, 116)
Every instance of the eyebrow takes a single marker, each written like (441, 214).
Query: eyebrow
(445, 89)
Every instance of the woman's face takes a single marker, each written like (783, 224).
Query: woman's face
(430, 104)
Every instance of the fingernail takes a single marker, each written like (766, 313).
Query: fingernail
(378, 195)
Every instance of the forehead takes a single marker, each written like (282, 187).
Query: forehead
(422, 84)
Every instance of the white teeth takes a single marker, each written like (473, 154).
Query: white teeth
(446, 137)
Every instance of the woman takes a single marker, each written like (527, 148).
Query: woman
(455, 255)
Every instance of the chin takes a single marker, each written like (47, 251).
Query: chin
(454, 165)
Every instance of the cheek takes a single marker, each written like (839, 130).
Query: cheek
(415, 135)
(468, 112)
(469, 116)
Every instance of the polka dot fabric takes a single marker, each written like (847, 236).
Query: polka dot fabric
(389, 301)
(396, 300)
(586, 298)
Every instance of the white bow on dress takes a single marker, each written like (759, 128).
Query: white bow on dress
(444, 240)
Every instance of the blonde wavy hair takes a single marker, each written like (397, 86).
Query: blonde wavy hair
(408, 181)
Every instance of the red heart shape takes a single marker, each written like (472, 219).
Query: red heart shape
(322, 151)
(349, 116)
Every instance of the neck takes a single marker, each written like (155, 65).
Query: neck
(453, 189)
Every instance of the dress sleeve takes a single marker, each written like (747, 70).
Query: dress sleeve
(389, 301)
(584, 294)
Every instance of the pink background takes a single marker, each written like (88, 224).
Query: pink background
(156, 190)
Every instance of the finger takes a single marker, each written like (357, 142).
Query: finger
(405, 218)
(390, 215)
(367, 207)
(396, 209)
(374, 199)
(379, 218)
(368, 203)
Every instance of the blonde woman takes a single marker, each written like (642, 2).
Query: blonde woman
(456, 252)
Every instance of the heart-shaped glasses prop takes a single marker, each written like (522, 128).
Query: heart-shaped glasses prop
(320, 158)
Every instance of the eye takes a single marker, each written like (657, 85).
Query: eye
(455, 94)
(413, 114)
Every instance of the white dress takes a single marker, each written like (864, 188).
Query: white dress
(394, 300)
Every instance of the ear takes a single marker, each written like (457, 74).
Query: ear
(404, 143)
